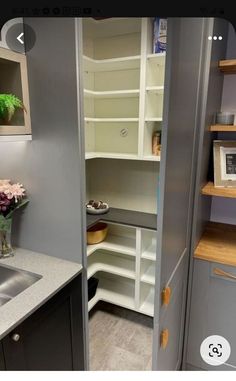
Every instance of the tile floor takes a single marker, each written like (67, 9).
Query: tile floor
(120, 339)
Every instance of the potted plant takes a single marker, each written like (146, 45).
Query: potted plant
(12, 197)
(9, 103)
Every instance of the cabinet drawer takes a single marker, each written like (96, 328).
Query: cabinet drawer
(213, 310)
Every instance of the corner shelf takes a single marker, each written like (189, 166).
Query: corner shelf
(112, 264)
(111, 64)
(110, 155)
(111, 120)
(210, 190)
(222, 128)
(156, 119)
(111, 94)
(119, 291)
(227, 66)
(15, 138)
(155, 89)
(123, 245)
(218, 244)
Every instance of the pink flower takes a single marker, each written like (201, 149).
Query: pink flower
(12, 190)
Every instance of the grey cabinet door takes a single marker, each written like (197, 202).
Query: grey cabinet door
(181, 107)
(213, 312)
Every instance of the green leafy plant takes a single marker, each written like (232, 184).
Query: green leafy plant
(9, 103)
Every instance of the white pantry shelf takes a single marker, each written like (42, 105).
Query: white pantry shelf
(111, 94)
(147, 306)
(148, 276)
(123, 245)
(158, 57)
(151, 158)
(15, 138)
(156, 119)
(111, 64)
(155, 89)
(110, 155)
(111, 120)
(112, 264)
(150, 252)
(122, 292)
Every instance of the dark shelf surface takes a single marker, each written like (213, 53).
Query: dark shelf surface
(125, 217)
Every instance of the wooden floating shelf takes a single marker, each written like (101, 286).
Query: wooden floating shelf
(222, 127)
(210, 190)
(218, 244)
(228, 66)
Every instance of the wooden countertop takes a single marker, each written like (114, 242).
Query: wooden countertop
(125, 217)
(218, 244)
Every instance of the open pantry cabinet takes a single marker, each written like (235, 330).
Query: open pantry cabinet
(128, 93)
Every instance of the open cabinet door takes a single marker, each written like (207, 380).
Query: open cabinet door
(185, 63)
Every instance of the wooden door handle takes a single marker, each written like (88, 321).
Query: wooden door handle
(164, 338)
(220, 272)
(165, 296)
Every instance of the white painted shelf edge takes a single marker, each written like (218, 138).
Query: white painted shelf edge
(109, 120)
(123, 245)
(155, 89)
(150, 253)
(108, 291)
(148, 275)
(125, 156)
(15, 138)
(111, 94)
(111, 64)
(153, 119)
(111, 264)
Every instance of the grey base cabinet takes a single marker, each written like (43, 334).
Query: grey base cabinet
(213, 311)
(51, 338)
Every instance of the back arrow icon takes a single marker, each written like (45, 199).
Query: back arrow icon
(19, 38)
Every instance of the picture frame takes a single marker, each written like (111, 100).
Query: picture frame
(224, 153)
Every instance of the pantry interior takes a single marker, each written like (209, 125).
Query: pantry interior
(123, 101)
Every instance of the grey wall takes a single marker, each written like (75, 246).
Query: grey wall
(49, 165)
(223, 209)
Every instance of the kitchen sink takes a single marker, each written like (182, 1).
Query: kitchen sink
(13, 282)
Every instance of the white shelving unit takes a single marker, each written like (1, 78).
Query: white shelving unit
(124, 87)
(123, 101)
(127, 254)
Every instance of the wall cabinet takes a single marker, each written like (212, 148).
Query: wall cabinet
(50, 339)
(14, 80)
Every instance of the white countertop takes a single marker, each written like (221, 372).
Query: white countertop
(55, 272)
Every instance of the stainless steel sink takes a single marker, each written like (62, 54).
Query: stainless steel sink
(13, 282)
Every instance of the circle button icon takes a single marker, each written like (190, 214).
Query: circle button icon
(20, 37)
(215, 350)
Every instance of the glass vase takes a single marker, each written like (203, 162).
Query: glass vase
(6, 249)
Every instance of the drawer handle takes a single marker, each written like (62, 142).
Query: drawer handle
(220, 272)
(165, 296)
(164, 338)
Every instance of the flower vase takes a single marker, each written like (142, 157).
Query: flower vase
(6, 249)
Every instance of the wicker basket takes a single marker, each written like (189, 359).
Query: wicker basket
(97, 233)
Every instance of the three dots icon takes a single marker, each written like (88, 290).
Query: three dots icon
(215, 38)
